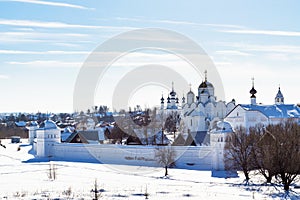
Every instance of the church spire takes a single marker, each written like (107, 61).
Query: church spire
(205, 73)
(162, 102)
(162, 98)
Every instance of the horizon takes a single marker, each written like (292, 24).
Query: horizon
(44, 44)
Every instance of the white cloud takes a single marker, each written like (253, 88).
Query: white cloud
(274, 48)
(53, 38)
(4, 51)
(224, 26)
(47, 64)
(263, 48)
(64, 44)
(177, 22)
(50, 3)
(232, 53)
(44, 24)
(264, 32)
(155, 21)
(230, 28)
(2, 76)
(24, 29)
(36, 34)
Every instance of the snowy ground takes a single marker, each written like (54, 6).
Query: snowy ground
(21, 180)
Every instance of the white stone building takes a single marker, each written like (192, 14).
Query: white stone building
(250, 115)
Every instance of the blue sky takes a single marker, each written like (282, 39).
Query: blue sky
(44, 43)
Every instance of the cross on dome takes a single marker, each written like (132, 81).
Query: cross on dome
(172, 85)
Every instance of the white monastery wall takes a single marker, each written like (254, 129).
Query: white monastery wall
(193, 157)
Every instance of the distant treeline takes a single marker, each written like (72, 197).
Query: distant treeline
(8, 131)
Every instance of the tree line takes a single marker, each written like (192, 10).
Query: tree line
(273, 151)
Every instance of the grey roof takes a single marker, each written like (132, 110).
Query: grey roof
(275, 111)
(179, 141)
(189, 113)
(87, 136)
(199, 137)
(194, 112)
(193, 139)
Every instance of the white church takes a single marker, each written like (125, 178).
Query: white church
(198, 112)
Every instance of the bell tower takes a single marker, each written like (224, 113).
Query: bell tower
(279, 99)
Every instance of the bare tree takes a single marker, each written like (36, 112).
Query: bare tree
(165, 156)
(263, 152)
(146, 193)
(238, 152)
(273, 150)
(96, 191)
(172, 122)
(286, 151)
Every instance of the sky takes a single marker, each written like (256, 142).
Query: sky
(44, 43)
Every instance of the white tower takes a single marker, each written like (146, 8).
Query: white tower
(190, 96)
(182, 101)
(279, 99)
(218, 136)
(32, 131)
(173, 99)
(206, 91)
(47, 135)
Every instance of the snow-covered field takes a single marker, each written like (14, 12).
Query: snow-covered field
(23, 180)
